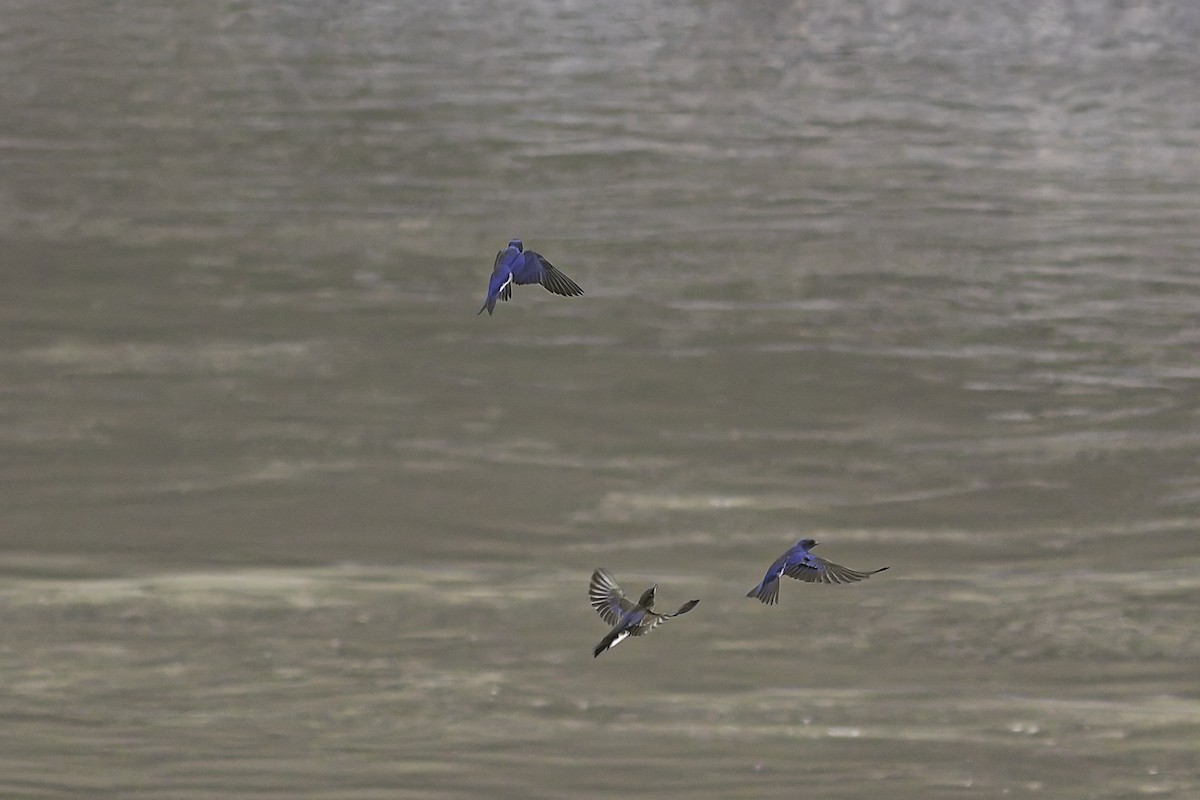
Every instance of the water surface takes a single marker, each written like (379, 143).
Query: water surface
(284, 518)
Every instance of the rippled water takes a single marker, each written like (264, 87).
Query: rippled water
(284, 518)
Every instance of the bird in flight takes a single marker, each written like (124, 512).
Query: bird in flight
(799, 563)
(515, 264)
(626, 617)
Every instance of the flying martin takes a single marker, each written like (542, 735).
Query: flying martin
(626, 617)
(802, 565)
(515, 264)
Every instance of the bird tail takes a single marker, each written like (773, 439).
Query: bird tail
(767, 592)
(610, 640)
(489, 304)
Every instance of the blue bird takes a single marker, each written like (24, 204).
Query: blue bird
(515, 264)
(802, 565)
(626, 617)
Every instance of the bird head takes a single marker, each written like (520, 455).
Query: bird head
(647, 598)
(808, 544)
(517, 244)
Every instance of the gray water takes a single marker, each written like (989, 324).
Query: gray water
(284, 518)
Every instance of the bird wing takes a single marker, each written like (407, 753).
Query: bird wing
(652, 620)
(649, 622)
(814, 569)
(527, 268)
(608, 598)
(534, 268)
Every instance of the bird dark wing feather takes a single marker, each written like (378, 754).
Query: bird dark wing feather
(560, 284)
(537, 269)
(607, 597)
(826, 572)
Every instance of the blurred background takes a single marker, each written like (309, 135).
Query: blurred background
(284, 518)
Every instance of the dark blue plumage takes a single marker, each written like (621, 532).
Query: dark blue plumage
(515, 264)
(802, 565)
(626, 617)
